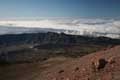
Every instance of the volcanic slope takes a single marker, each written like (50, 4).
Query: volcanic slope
(102, 65)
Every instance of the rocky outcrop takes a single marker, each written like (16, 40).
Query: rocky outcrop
(99, 64)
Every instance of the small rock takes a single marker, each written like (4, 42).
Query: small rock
(101, 64)
(61, 71)
(77, 68)
(93, 67)
(111, 60)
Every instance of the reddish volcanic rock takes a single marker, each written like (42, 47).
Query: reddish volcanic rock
(103, 65)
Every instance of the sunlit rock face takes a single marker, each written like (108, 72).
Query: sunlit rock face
(74, 26)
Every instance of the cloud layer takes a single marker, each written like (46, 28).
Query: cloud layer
(81, 26)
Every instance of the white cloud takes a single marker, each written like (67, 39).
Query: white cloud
(108, 27)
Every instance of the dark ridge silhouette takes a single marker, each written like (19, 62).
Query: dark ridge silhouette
(53, 38)
(41, 46)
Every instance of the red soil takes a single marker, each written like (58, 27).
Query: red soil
(80, 69)
(70, 69)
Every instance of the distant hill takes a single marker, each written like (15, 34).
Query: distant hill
(41, 46)
(54, 38)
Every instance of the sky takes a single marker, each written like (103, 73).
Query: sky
(59, 8)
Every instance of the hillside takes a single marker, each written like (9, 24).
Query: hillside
(106, 67)
(51, 37)
(61, 68)
(34, 47)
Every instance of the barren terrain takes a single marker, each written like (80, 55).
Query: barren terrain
(61, 68)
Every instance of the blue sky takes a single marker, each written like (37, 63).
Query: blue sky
(59, 8)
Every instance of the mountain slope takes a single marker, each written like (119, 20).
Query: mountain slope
(83, 69)
(41, 46)
(67, 69)
(52, 37)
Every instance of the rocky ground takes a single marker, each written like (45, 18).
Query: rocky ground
(102, 65)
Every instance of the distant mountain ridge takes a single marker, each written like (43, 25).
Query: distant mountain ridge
(31, 47)
(54, 38)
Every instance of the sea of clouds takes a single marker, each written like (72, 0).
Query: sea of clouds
(75, 26)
